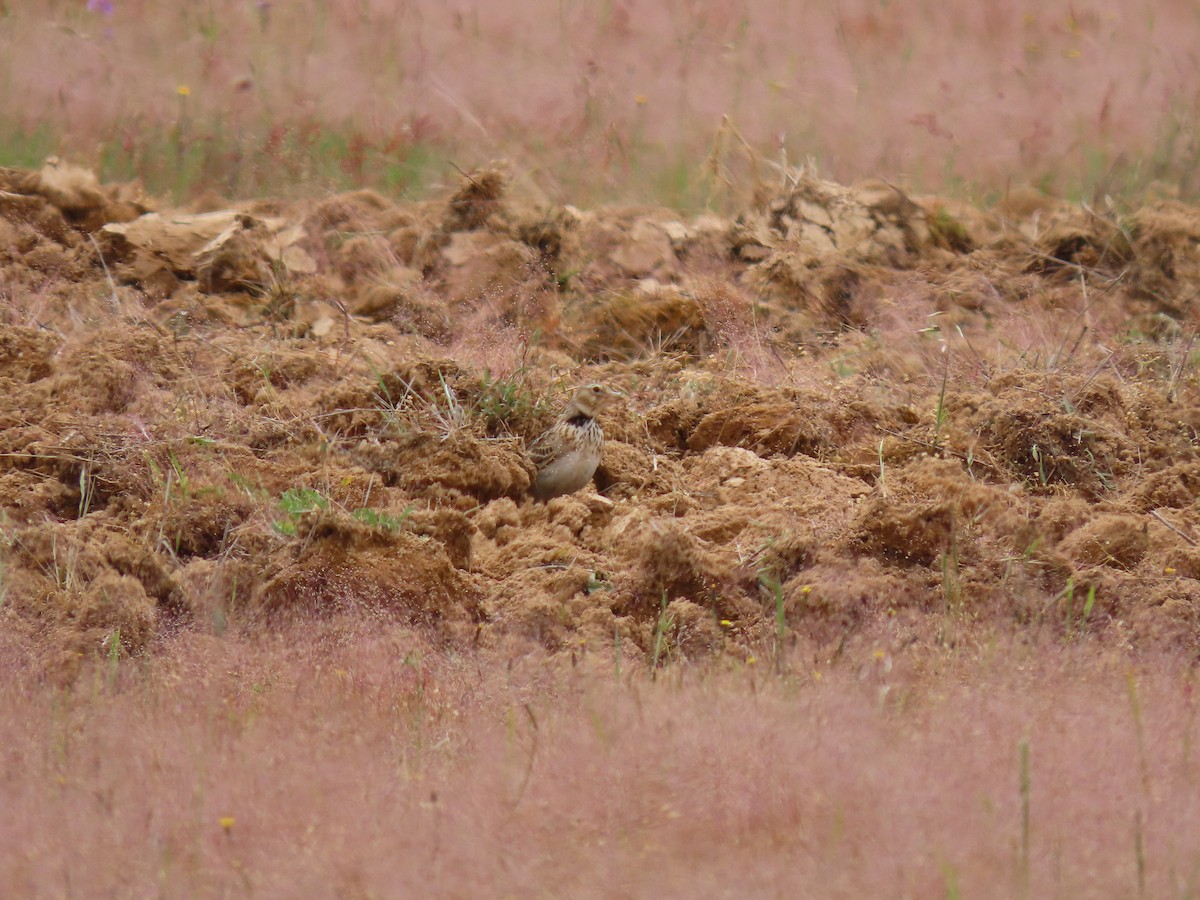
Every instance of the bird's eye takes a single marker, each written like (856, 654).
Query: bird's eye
(595, 388)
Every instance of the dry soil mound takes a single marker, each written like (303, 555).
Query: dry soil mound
(849, 415)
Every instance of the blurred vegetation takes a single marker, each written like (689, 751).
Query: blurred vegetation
(590, 105)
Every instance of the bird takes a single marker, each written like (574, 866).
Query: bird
(567, 455)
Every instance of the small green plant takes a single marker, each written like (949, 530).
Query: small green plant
(1026, 786)
(597, 581)
(1037, 458)
(87, 491)
(181, 478)
(301, 500)
(243, 484)
(174, 482)
(1186, 749)
(661, 628)
(883, 472)
(770, 584)
(295, 502)
(220, 613)
(534, 728)
(1135, 706)
(381, 520)
(950, 880)
(1076, 625)
(179, 325)
(941, 414)
(616, 651)
(843, 367)
(156, 473)
(65, 564)
(951, 582)
(1106, 478)
(951, 579)
(947, 229)
(113, 645)
(1139, 850)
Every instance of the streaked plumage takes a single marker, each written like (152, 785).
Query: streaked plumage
(567, 455)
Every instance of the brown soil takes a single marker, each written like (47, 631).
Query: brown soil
(846, 410)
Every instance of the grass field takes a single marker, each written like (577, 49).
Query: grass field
(605, 102)
(352, 762)
(888, 584)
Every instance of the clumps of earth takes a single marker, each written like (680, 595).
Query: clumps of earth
(850, 415)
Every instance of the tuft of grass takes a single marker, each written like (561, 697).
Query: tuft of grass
(503, 402)
(452, 417)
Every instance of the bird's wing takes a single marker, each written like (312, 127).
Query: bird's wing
(543, 449)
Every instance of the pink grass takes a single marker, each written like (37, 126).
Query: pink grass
(591, 100)
(356, 760)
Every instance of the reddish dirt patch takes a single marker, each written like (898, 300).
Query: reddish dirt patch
(844, 409)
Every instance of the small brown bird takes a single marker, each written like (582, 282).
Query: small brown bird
(567, 455)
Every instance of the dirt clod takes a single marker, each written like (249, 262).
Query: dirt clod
(1110, 540)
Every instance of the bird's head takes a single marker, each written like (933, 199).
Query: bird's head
(590, 400)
